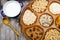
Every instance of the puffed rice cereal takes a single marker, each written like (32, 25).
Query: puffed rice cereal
(39, 5)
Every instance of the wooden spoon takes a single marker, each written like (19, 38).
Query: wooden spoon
(6, 21)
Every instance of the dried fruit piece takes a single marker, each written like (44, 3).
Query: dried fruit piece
(58, 22)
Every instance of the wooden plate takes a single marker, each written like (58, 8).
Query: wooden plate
(38, 15)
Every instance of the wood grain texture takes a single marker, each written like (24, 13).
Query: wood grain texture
(7, 34)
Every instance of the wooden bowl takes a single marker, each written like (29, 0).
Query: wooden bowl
(50, 29)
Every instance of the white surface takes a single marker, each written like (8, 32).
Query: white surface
(11, 8)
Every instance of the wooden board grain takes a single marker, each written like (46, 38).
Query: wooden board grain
(7, 34)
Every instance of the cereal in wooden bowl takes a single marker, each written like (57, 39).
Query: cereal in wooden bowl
(52, 34)
(34, 32)
(54, 7)
(39, 5)
(29, 17)
(46, 20)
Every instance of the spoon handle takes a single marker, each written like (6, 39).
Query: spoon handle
(16, 32)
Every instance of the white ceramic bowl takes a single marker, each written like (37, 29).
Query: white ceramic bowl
(11, 8)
